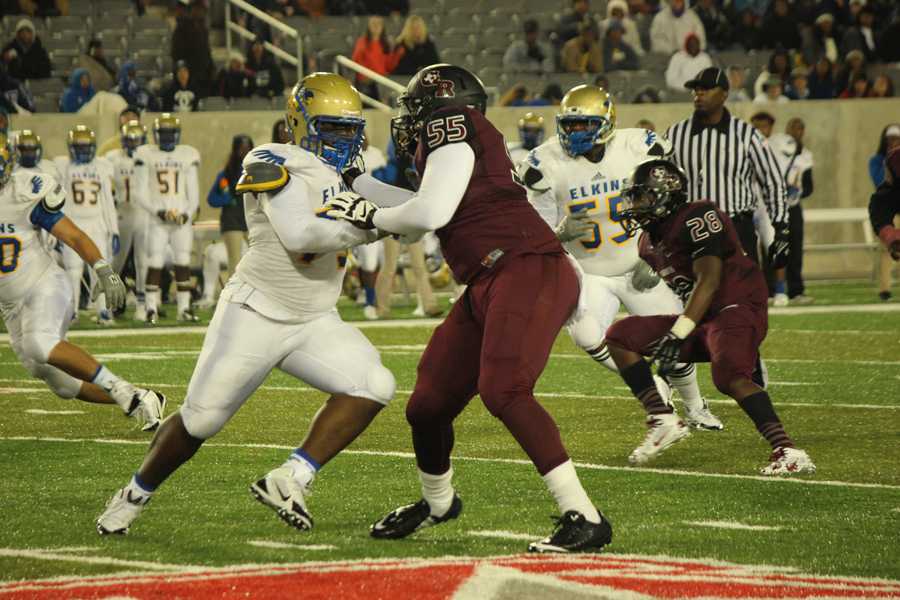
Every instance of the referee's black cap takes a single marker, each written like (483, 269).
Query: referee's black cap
(708, 78)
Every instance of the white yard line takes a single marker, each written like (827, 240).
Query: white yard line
(41, 411)
(732, 525)
(286, 546)
(511, 461)
(503, 535)
(92, 560)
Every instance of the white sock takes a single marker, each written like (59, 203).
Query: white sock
(437, 490)
(105, 378)
(563, 483)
(601, 355)
(684, 380)
(304, 472)
(139, 487)
(183, 300)
(151, 298)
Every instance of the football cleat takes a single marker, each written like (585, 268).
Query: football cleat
(370, 313)
(780, 300)
(280, 491)
(146, 407)
(105, 319)
(789, 461)
(205, 303)
(151, 317)
(663, 431)
(702, 418)
(574, 533)
(402, 521)
(802, 300)
(122, 509)
(140, 312)
(187, 316)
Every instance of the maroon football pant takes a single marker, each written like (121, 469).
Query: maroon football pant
(729, 341)
(495, 342)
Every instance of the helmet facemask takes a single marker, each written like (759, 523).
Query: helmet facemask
(531, 137)
(82, 152)
(405, 128)
(578, 134)
(652, 201)
(30, 154)
(167, 138)
(337, 140)
(7, 162)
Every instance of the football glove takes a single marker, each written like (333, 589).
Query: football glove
(778, 250)
(643, 277)
(573, 226)
(352, 208)
(668, 348)
(110, 284)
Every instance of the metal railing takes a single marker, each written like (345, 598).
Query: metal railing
(342, 61)
(230, 26)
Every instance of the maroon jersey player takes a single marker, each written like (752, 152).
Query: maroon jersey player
(521, 289)
(695, 248)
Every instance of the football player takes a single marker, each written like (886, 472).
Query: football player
(215, 260)
(278, 311)
(87, 180)
(575, 181)
(165, 184)
(531, 135)
(132, 216)
(695, 248)
(36, 294)
(521, 289)
(30, 153)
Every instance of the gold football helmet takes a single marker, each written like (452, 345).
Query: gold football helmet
(531, 130)
(324, 116)
(7, 159)
(82, 144)
(586, 118)
(167, 131)
(133, 134)
(29, 148)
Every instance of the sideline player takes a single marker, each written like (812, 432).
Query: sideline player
(531, 135)
(87, 180)
(278, 311)
(36, 295)
(132, 216)
(166, 186)
(696, 249)
(30, 153)
(575, 182)
(521, 289)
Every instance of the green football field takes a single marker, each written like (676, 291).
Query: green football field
(835, 381)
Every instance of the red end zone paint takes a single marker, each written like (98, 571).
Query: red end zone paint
(441, 578)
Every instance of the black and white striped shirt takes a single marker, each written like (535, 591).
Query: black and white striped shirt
(728, 163)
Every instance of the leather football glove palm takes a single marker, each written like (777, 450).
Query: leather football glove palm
(109, 284)
(643, 277)
(573, 226)
(352, 208)
(778, 250)
(667, 353)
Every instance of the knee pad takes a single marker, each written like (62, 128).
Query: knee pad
(380, 384)
(203, 424)
(36, 346)
(60, 383)
(586, 332)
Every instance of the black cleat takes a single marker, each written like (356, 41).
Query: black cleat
(402, 521)
(574, 533)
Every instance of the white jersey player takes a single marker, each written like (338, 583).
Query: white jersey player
(215, 260)
(531, 135)
(278, 311)
(87, 181)
(30, 152)
(166, 186)
(574, 181)
(36, 296)
(133, 217)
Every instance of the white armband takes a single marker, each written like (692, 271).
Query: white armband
(683, 327)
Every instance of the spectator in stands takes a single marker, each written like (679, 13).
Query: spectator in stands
(854, 67)
(602, 81)
(861, 36)
(772, 92)
(132, 89)
(780, 28)
(617, 54)
(882, 87)
(529, 55)
(280, 133)
(582, 54)
(103, 75)
(686, 63)
(570, 22)
(180, 95)
(821, 81)
(79, 92)
(25, 55)
(748, 30)
(737, 81)
(671, 26)
(798, 88)
(779, 66)
(14, 96)
(889, 141)
(763, 122)
(820, 40)
(888, 43)
(268, 81)
(373, 50)
(232, 223)
(645, 124)
(757, 7)
(718, 29)
(647, 95)
(858, 87)
(617, 10)
(518, 95)
(129, 113)
(414, 48)
(234, 81)
(190, 43)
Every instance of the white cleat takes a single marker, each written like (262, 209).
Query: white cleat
(702, 418)
(663, 431)
(780, 300)
(145, 406)
(370, 313)
(140, 312)
(282, 493)
(122, 509)
(105, 319)
(789, 461)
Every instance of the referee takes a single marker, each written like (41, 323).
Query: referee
(726, 161)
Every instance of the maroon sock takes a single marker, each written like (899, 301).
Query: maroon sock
(640, 380)
(536, 432)
(759, 408)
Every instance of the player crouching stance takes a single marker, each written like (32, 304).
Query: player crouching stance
(278, 311)
(695, 248)
(36, 296)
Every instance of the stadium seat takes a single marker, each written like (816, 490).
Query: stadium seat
(214, 103)
(40, 87)
(69, 23)
(253, 103)
(113, 8)
(47, 104)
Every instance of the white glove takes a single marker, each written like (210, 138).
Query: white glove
(109, 284)
(643, 278)
(352, 208)
(573, 227)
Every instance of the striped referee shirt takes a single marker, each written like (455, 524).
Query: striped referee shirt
(729, 163)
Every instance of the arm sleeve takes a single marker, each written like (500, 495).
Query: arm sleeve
(45, 219)
(301, 231)
(770, 179)
(379, 192)
(438, 197)
(806, 183)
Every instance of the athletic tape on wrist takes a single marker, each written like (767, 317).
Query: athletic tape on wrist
(683, 327)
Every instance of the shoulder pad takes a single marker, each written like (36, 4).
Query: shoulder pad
(262, 177)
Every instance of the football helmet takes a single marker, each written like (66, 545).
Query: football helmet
(7, 159)
(133, 134)
(657, 189)
(586, 118)
(29, 148)
(167, 131)
(436, 86)
(82, 144)
(324, 116)
(531, 130)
